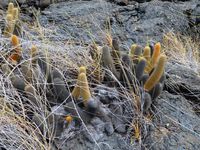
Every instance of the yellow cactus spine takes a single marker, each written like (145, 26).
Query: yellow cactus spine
(156, 53)
(16, 44)
(34, 53)
(147, 53)
(15, 13)
(156, 75)
(16, 55)
(10, 8)
(33, 50)
(132, 50)
(15, 40)
(147, 56)
(84, 88)
(12, 21)
(82, 69)
(76, 90)
(9, 28)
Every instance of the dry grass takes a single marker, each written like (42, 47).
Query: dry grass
(182, 49)
(18, 132)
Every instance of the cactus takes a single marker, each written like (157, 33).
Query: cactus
(140, 68)
(147, 53)
(15, 41)
(116, 55)
(132, 50)
(17, 23)
(156, 91)
(152, 62)
(84, 88)
(16, 44)
(162, 79)
(76, 91)
(151, 45)
(60, 90)
(138, 51)
(82, 69)
(10, 8)
(15, 13)
(115, 44)
(125, 73)
(9, 25)
(144, 78)
(12, 21)
(147, 102)
(27, 71)
(137, 54)
(156, 74)
(156, 53)
(56, 74)
(34, 53)
(18, 83)
(107, 61)
(15, 56)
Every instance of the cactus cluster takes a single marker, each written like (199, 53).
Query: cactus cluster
(140, 71)
(141, 67)
(12, 21)
(16, 53)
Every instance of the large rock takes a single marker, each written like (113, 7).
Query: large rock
(94, 138)
(176, 121)
(85, 21)
(175, 125)
(39, 3)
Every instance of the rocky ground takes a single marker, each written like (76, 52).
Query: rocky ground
(176, 120)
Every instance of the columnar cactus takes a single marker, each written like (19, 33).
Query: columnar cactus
(116, 54)
(84, 88)
(156, 74)
(107, 61)
(27, 71)
(147, 66)
(76, 91)
(132, 50)
(156, 53)
(34, 53)
(16, 54)
(61, 91)
(140, 68)
(18, 83)
(12, 21)
(147, 53)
